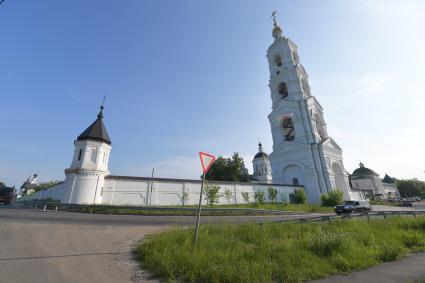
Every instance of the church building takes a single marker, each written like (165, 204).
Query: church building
(303, 152)
(304, 156)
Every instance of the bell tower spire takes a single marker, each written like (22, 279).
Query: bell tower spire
(277, 30)
(303, 153)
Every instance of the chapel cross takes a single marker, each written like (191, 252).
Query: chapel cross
(274, 18)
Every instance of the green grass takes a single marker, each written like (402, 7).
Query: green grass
(381, 202)
(105, 209)
(285, 207)
(279, 252)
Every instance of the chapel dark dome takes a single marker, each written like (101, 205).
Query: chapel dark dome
(363, 171)
(261, 153)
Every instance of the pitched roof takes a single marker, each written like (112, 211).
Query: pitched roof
(387, 179)
(96, 131)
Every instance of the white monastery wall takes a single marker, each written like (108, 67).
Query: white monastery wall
(136, 191)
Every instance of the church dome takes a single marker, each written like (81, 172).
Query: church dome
(261, 153)
(363, 171)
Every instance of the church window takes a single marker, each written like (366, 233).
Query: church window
(295, 182)
(79, 154)
(277, 61)
(283, 90)
(320, 127)
(288, 129)
(93, 155)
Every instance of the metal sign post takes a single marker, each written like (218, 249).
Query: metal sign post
(206, 161)
(198, 218)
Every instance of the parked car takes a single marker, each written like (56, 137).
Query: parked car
(353, 206)
(7, 195)
(405, 203)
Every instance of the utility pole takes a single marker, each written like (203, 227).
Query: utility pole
(151, 187)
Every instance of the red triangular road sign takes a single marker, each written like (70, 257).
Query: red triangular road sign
(206, 160)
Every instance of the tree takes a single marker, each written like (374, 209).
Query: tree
(183, 197)
(332, 198)
(2, 185)
(298, 197)
(259, 197)
(411, 188)
(228, 169)
(272, 194)
(228, 195)
(245, 196)
(211, 193)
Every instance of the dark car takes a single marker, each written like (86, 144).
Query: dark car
(7, 195)
(353, 206)
(405, 203)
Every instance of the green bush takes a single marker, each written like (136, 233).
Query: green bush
(245, 196)
(259, 197)
(298, 197)
(211, 193)
(332, 198)
(272, 194)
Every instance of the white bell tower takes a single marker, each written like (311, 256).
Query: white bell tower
(85, 178)
(303, 153)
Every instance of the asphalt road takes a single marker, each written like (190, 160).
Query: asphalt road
(48, 246)
(410, 269)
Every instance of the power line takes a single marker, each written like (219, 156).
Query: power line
(1, 1)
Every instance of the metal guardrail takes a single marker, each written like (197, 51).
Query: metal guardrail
(108, 209)
(366, 214)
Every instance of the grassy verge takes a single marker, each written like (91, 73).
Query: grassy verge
(381, 202)
(281, 252)
(285, 207)
(104, 209)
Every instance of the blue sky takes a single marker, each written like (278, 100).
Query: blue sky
(184, 76)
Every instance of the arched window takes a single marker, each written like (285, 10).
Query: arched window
(288, 129)
(295, 182)
(283, 90)
(320, 126)
(80, 153)
(277, 60)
